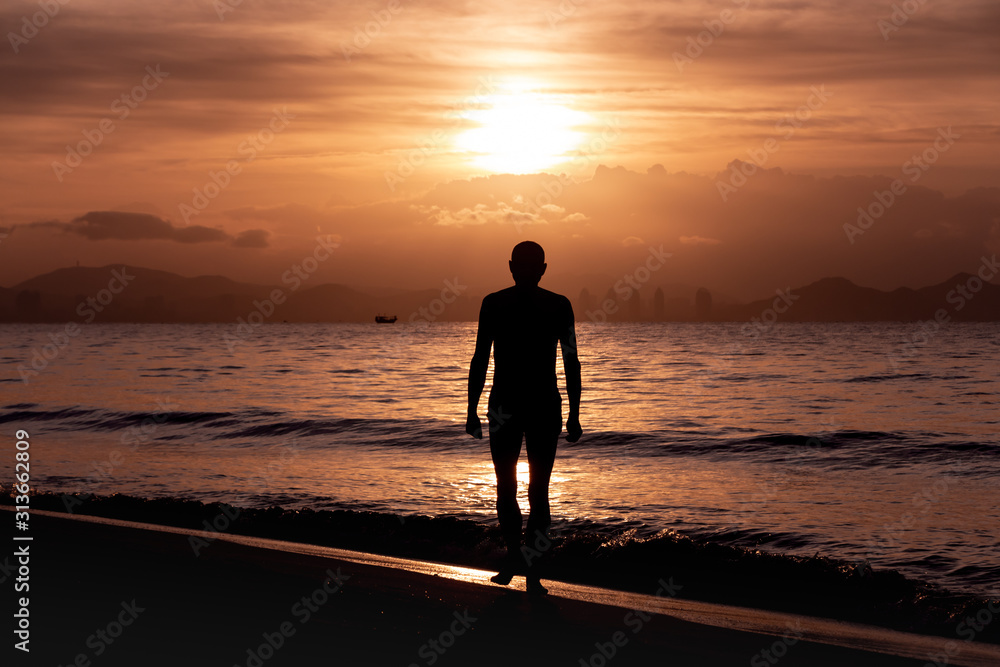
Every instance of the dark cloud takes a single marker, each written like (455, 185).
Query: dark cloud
(127, 226)
(199, 234)
(123, 226)
(251, 238)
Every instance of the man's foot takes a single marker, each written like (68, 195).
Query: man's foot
(534, 586)
(504, 576)
(512, 565)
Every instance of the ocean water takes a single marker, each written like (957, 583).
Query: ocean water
(844, 440)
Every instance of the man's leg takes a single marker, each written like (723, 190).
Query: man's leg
(541, 446)
(541, 438)
(505, 447)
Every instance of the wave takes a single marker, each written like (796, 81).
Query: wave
(107, 420)
(625, 558)
(892, 376)
(848, 449)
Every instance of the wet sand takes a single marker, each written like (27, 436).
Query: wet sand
(107, 594)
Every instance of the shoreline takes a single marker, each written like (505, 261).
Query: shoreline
(710, 572)
(88, 563)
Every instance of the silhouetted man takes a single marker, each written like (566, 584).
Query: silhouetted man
(522, 324)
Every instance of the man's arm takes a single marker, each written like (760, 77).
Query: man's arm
(477, 372)
(571, 366)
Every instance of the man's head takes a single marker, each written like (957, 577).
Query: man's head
(527, 263)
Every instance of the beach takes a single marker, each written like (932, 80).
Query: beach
(107, 593)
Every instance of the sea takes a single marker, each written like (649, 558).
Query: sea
(867, 442)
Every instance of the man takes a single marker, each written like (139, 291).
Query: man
(522, 324)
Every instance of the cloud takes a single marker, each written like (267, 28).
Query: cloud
(224, 81)
(252, 238)
(523, 211)
(127, 226)
(480, 214)
(124, 226)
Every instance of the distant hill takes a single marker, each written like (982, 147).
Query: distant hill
(85, 294)
(840, 300)
(83, 280)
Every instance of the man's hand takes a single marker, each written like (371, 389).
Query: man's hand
(473, 426)
(573, 428)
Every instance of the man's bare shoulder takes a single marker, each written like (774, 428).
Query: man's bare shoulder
(555, 296)
(515, 292)
(558, 302)
(499, 294)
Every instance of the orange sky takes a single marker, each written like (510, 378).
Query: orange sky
(385, 138)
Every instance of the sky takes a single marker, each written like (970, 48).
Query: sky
(760, 144)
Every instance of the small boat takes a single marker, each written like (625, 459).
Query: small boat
(385, 319)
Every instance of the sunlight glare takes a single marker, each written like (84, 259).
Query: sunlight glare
(520, 130)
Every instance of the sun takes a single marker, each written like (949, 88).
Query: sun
(521, 130)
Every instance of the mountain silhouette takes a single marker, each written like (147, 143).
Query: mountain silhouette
(89, 294)
(149, 282)
(840, 300)
(97, 294)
